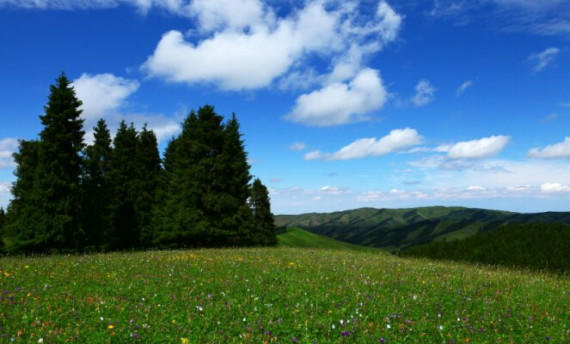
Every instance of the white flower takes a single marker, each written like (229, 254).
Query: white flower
(341, 322)
(41, 340)
(415, 297)
(388, 326)
(333, 327)
(440, 327)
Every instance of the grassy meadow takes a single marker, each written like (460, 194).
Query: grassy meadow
(275, 295)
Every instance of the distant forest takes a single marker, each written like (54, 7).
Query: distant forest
(536, 246)
(118, 194)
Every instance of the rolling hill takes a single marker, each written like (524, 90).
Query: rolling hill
(400, 228)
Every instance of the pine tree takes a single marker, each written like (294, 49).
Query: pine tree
(265, 231)
(176, 215)
(232, 173)
(45, 213)
(96, 190)
(149, 169)
(2, 223)
(123, 182)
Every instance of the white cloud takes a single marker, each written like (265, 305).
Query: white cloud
(341, 103)
(463, 87)
(475, 149)
(424, 93)
(102, 94)
(554, 187)
(267, 47)
(334, 190)
(475, 188)
(233, 14)
(8, 146)
(313, 155)
(555, 151)
(544, 58)
(297, 146)
(396, 140)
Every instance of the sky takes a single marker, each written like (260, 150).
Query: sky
(342, 104)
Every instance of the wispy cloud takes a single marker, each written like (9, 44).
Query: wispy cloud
(297, 146)
(463, 87)
(424, 93)
(559, 150)
(543, 58)
(8, 146)
(397, 140)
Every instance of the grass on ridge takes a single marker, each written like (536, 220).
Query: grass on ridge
(297, 237)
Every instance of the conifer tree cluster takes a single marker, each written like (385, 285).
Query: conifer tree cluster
(118, 194)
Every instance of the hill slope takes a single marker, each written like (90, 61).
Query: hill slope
(400, 228)
(537, 246)
(296, 237)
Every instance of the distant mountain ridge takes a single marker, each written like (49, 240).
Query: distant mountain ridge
(401, 228)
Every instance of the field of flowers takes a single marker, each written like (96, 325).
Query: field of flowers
(275, 295)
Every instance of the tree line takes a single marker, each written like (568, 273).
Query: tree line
(117, 193)
(536, 246)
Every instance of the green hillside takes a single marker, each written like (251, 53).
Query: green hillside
(400, 228)
(296, 237)
(536, 246)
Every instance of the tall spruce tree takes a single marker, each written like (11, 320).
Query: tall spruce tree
(176, 215)
(45, 212)
(96, 189)
(148, 173)
(265, 231)
(123, 177)
(59, 168)
(23, 228)
(232, 171)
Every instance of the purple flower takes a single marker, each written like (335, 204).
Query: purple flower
(294, 340)
(345, 333)
(547, 337)
(268, 333)
(382, 340)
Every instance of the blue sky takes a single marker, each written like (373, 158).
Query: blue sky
(343, 104)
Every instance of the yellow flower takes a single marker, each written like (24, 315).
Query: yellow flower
(110, 327)
(184, 340)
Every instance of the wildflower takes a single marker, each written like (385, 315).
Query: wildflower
(440, 327)
(184, 340)
(388, 326)
(345, 333)
(382, 340)
(110, 327)
(41, 340)
(294, 339)
(333, 327)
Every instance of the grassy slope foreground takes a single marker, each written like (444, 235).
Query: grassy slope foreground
(275, 295)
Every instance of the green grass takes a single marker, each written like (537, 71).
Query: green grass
(297, 237)
(272, 295)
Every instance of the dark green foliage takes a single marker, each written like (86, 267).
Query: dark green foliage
(264, 226)
(148, 173)
(123, 174)
(116, 195)
(539, 246)
(22, 228)
(46, 209)
(96, 189)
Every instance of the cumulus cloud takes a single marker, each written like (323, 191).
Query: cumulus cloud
(266, 46)
(313, 155)
(554, 187)
(340, 103)
(475, 149)
(102, 93)
(424, 93)
(397, 140)
(297, 146)
(544, 58)
(559, 150)
(463, 87)
(8, 146)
